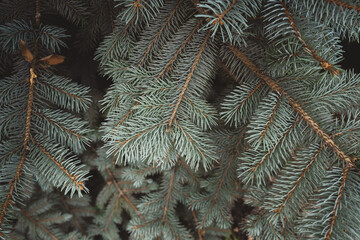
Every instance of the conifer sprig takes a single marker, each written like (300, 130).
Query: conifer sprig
(38, 157)
(324, 64)
(25, 148)
(275, 87)
(343, 5)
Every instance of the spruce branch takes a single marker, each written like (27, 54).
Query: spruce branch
(191, 139)
(25, 147)
(304, 171)
(163, 27)
(191, 173)
(228, 17)
(57, 124)
(188, 79)
(340, 16)
(199, 231)
(236, 106)
(230, 73)
(179, 50)
(334, 203)
(62, 91)
(163, 71)
(139, 135)
(71, 211)
(159, 207)
(140, 9)
(344, 5)
(38, 220)
(39, 224)
(29, 154)
(214, 199)
(212, 207)
(11, 153)
(123, 195)
(297, 107)
(117, 40)
(220, 16)
(263, 133)
(324, 64)
(74, 178)
(160, 122)
(168, 197)
(336, 207)
(257, 165)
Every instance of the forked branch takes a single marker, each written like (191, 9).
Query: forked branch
(220, 16)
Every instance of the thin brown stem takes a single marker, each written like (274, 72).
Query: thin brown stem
(344, 5)
(231, 74)
(324, 64)
(42, 227)
(296, 106)
(220, 16)
(184, 88)
(249, 96)
(79, 184)
(26, 148)
(276, 145)
(123, 195)
(199, 231)
(168, 196)
(62, 91)
(300, 178)
(213, 201)
(337, 203)
(57, 124)
(166, 23)
(182, 46)
(270, 119)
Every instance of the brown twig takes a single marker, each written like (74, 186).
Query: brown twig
(324, 64)
(189, 77)
(26, 148)
(344, 5)
(296, 106)
(123, 195)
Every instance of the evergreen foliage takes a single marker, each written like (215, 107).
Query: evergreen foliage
(174, 153)
(40, 133)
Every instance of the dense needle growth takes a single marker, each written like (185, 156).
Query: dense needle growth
(210, 102)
